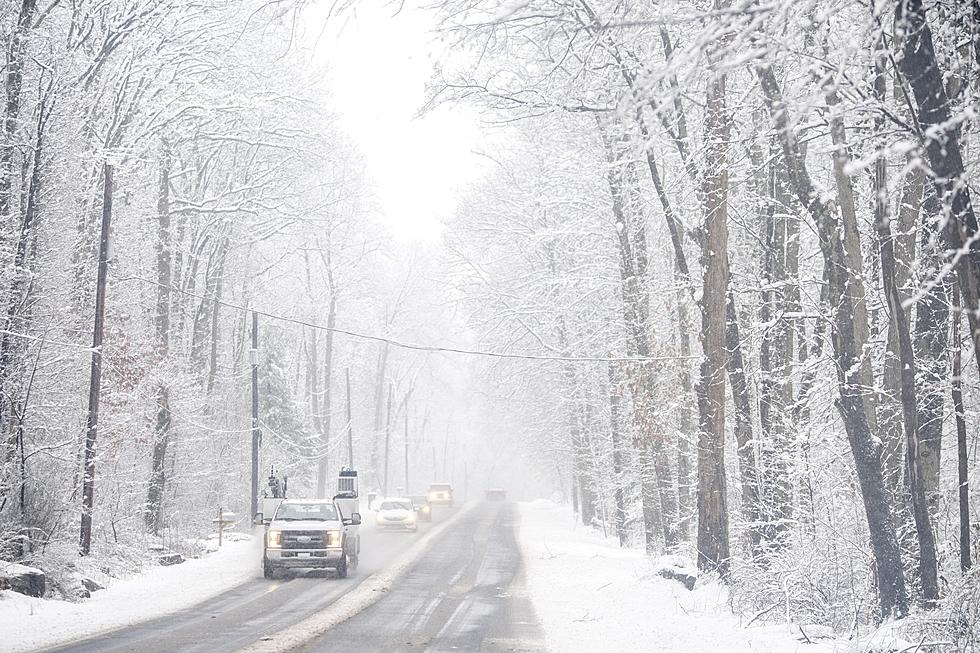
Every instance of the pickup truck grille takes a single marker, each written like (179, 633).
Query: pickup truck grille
(304, 540)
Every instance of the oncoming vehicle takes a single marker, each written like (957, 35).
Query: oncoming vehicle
(398, 512)
(496, 494)
(311, 534)
(422, 508)
(440, 494)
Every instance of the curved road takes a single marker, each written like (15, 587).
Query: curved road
(464, 594)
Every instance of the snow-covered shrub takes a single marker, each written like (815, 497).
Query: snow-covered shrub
(827, 586)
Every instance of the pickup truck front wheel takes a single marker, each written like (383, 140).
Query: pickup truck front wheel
(268, 571)
(342, 567)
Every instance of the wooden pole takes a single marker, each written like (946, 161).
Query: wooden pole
(407, 491)
(255, 415)
(350, 424)
(95, 376)
(384, 486)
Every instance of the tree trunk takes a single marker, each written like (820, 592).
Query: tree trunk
(13, 84)
(963, 471)
(685, 468)
(920, 69)
(848, 354)
(616, 443)
(931, 346)
(776, 357)
(713, 539)
(740, 395)
(656, 476)
(161, 432)
(745, 444)
(928, 566)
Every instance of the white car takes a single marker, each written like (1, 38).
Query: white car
(398, 512)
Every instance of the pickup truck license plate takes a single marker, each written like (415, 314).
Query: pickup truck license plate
(304, 554)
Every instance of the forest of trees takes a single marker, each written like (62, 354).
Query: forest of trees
(203, 131)
(757, 219)
(725, 254)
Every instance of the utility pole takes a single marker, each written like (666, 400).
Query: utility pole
(95, 376)
(406, 451)
(256, 434)
(350, 424)
(384, 487)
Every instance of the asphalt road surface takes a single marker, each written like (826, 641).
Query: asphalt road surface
(464, 594)
(260, 607)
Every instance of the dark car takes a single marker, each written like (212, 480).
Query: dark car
(496, 494)
(422, 507)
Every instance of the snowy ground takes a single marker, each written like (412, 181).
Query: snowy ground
(29, 624)
(590, 595)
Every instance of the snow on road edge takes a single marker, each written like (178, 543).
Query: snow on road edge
(591, 595)
(364, 595)
(30, 624)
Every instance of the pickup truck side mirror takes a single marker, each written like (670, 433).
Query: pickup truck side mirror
(355, 519)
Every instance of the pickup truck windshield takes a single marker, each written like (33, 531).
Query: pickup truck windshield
(306, 512)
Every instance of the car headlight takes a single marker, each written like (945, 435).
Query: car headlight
(334, 539)
(426, 509)
(411, 516)
(378, 519)
(273, 539)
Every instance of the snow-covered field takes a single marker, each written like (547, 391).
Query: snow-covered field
(28, 624)
(590, 595)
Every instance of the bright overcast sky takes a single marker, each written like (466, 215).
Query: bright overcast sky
(379, 65)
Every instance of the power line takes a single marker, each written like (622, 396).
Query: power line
(410, 345)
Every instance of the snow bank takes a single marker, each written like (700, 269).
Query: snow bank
(592, 595)
(30, 624)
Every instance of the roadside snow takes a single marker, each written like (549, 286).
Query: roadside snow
(591, 595)
(30, 624)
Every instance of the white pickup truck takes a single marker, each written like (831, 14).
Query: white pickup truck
(312, 534)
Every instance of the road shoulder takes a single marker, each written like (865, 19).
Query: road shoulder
(591, 595)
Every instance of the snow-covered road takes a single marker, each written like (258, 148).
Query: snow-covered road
(217, 603)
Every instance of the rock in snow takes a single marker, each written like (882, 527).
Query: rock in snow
(677, 568)
(168, 559)
(22, 579)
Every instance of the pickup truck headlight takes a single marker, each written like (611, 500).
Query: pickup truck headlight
(273, 539)
(334, 538)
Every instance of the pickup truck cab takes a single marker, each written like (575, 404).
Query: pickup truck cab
(311, 534)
